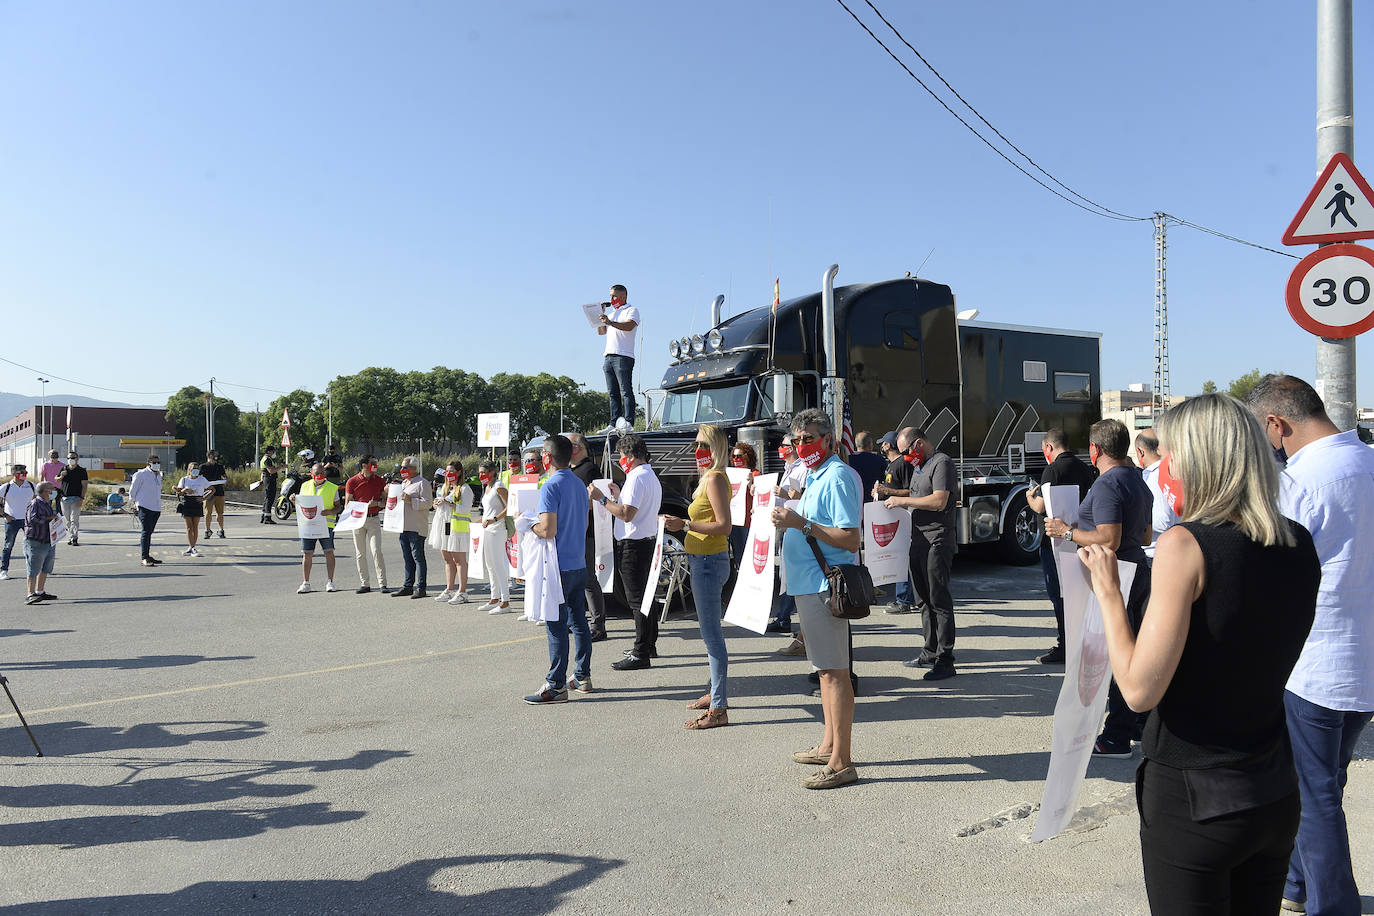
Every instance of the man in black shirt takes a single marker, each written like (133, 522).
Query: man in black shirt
(214, 497)
(868, 463)
(73, 480)
(896, 481)
(586, 471)
(1064, 469)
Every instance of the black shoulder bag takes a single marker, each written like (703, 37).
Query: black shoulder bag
(851, 586)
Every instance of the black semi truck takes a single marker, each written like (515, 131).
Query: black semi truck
(903, 356)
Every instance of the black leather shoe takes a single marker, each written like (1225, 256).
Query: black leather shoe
(777, 626)
(631, 663)
(924, 660)
(401, 593)
(363, 589)
(940, 671)
(418, 593)
(1053, 657)
(599, 636)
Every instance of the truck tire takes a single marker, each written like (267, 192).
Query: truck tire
(1020, 544)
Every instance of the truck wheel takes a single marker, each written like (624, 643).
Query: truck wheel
(1020, 543)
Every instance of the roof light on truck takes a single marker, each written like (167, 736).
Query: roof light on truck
(674, 349)
(698, 345)
(715, 340)
(685, 345)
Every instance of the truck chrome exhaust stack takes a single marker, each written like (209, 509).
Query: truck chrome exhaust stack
(828, 319)
(715, 311)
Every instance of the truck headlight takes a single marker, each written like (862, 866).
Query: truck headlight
(674, 349)
(715, 340)
(698, 345)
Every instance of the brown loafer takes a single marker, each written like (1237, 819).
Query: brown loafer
(826, 778)
(703, 703)
(711, 718)
(812, 756)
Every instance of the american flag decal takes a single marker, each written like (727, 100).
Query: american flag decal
(847, 429)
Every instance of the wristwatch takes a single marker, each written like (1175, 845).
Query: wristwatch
(1068, 535)
(603, 500)
(806, 529)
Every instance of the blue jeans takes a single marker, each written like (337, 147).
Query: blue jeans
(1051, 573)
(709, 573)
(148, 519)
(905, 592)
(572, 612)
(620, 386)
(12, 529)
(1323, 742)
(413, 552)
(39, 556)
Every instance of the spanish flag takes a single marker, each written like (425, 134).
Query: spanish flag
(777, 295)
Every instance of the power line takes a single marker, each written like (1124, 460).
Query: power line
(82, 384)
(219, 381)
(1229, 238)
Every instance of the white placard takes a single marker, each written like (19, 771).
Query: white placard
(353, 517)
(751, 603)
(310, 520)
(493, 430)
(887, 542)
(477, 566)
(593, 311)
(646, 606)
(394, 517)
(603, 542)
(1082, 695)
(523, 499)
(739, 494)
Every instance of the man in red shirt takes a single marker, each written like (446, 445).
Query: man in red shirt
(367, 486)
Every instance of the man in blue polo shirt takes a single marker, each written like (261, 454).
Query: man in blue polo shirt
(563, 509)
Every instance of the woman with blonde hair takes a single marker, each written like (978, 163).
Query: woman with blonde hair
(708, 557)
(448, 533)
(1234, 595)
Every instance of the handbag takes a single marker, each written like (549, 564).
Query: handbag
(851, 586)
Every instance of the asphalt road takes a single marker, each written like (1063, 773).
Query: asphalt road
(218, 744)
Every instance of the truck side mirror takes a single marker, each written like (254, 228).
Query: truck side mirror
(782, 393)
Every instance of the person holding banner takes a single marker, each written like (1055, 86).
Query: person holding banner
(830, 515)
(367, 486)
(191, 506)
(708, 558)
(330, 499)
(744, 456)
(1235, 593)
(493, 540)
(1062, 468)
(39, 549)
(635, 510)
(415, 493)
(448, 533)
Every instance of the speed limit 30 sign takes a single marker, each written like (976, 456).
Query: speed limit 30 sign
(1331, 291)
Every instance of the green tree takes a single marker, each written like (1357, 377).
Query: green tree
(186, 409)
(1209, 387)
(308, 420)
(1240, 387)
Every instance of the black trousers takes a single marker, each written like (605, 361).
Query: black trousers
(632, 561)
(1124, 724)
(930, 565)
(1235, 863)
(596, 599)
(269, 494)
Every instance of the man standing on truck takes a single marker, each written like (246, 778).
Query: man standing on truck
(931, 502)
(1063, 468)
(619, 330)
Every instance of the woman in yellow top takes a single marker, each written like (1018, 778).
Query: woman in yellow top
(708, 557)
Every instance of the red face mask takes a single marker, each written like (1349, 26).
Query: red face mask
(531, 467)
(319, 478)
(405, 473)
(625, 463)
(617, 301)
(783, 452)
(22, 476)
(916, 455)
(1170, 486)
(485, 478)
(513, 465)
(737, 462)
(450, 476)
(372, 468)
(703, 456)
(810, 453)
(548, 462)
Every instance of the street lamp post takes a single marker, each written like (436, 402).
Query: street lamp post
(561, 396)
(46, 417)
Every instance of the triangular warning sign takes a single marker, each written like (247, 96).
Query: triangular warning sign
(285, 420)
(285, 438)
(1339, 209)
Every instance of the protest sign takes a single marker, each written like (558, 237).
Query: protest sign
(603, 544)
(739, 494)
(354, 516)
(310, 520)
(523, 499)
(394, 518)
(751, 603)
(646, 606)
(493, 430)
(887, 542)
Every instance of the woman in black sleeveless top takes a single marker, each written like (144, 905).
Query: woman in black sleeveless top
(1234, 594)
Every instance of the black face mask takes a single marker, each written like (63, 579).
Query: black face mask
(1281, 456)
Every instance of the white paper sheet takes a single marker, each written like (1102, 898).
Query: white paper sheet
(887, 542)
(353, 516)
(310, 520)
(603, 542)
(646, 606)
(739, 494)
(751, 603)
(394, 518)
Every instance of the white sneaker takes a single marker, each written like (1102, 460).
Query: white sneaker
(444, 595)
(186, 552)
(329, 586)
(497, 609)
(195, 552)
(4, 574)
(458, 598)
(304, 589)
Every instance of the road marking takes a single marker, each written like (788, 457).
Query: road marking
(278, 677)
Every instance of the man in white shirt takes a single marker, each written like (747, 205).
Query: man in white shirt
(635, 509)
(145, 492)
(15, 495)
(1328, 487)
(1162, 517)
(619, 330)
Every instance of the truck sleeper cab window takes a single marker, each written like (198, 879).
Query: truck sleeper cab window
(1072, 386)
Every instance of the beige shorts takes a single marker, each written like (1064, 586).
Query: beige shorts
(826, 636)
(214, 504)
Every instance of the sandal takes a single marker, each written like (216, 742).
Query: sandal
(703, 703)
(711, 718)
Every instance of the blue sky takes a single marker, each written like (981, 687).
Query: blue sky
(276, 194)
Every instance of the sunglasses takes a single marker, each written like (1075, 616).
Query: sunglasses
(807, 440)
(702, 445)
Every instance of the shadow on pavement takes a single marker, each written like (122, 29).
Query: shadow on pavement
(143, 598)
(4, 633)
(1029, 766)
(62, 739)
(127, 664)
(421, 887)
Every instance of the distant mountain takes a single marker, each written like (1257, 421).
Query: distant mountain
(12, 404)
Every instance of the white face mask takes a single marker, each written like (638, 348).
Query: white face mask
(156, 466)
(194, 473)
(71, 462)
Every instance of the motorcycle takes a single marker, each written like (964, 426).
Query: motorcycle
(294, 478)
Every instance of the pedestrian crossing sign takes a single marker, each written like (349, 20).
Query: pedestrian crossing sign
(1340, 207)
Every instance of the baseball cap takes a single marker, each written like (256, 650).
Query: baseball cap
(889, 438)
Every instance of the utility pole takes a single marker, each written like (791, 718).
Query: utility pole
(1335, 134)
(210, 425)
(561, 396)
(257, 424)
(1160, 397)
(45, 418)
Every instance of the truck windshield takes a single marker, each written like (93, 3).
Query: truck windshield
(706, 405)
